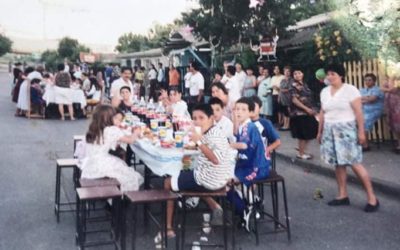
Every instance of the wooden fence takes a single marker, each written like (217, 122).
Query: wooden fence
(355, 72)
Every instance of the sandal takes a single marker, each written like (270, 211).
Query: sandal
(170, 235)
(304, 157)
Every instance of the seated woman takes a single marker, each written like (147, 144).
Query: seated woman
(102, 137)
(372, 100)
(214, 166)
(94, 94)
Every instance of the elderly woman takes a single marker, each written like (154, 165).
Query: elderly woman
(341, 133)
(372, 101)
(392, 107)
(303, 124)
(265, 92)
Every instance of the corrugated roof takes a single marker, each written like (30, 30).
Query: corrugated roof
(312, 21)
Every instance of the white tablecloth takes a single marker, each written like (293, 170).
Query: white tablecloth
(77, 96)
(161, 161)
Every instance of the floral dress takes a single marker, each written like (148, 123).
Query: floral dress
(99, 163)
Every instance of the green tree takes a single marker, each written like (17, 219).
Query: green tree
(130, 42)
(70, 48)
(51, 58)
(5, 45)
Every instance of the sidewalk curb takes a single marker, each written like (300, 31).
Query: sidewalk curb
(384, 187)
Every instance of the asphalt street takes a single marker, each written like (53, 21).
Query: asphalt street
(28, 152)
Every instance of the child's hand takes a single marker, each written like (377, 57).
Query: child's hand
(195, 135)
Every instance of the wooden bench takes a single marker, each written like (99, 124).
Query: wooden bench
(146, 197)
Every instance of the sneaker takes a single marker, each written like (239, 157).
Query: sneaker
(192, 202)
(304, 157)
(216, 219)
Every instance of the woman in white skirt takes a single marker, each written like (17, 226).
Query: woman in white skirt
(63, 91)
(23, 104)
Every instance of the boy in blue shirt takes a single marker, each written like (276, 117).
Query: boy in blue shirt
(252, 163)
(267, 131)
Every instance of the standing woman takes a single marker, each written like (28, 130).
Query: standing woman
(265, 93)
(372, 104)
(63, 91)
(303, 124)
(341, 134)
(250, 83)
(392, 108)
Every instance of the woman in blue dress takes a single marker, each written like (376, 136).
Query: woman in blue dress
(372, 101)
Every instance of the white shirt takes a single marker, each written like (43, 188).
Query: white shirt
(234, 86)
(276, 82)
(226, 126)
(196, 83)
(118, 84)
(241, 76)
(96, 94)
(86, 85)
(224, 79)
(187, 79)
(152, 74)
(179, 109)
(160, 75)
(337, 108)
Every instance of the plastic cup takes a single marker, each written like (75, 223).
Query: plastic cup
(162, 133)
(154, 124)
(179, 139)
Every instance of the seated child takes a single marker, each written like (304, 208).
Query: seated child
(251, 164)
(267, 131)
(102, 136)
(37, 101)
(222, 122)
(213, 167)
(177, 107)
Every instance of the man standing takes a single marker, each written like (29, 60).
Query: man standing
(160, 75)
(195, 85)
(174, 76)
(124, 80)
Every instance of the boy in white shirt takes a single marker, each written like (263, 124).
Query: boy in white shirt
(177, 107)
(221, 122)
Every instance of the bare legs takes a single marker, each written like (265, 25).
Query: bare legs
(362, 174)
(212, 204)
(302, 144)
(70, 110)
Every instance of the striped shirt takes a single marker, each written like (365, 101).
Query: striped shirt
(215, 176)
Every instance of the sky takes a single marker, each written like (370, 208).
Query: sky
(89, 21)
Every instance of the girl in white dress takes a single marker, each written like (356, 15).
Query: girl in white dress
(102, 137)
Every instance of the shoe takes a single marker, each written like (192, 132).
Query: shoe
(170, 235)
(216, 219)
(339, 202)
(284, 129)
(371, 208)
(246, 218)
(304, 157)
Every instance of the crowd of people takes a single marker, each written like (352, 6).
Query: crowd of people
(239, 128)
(238, 123)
